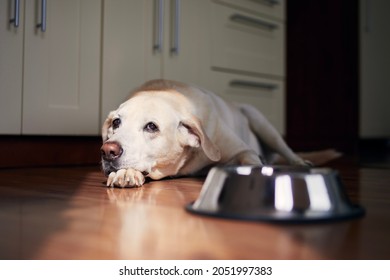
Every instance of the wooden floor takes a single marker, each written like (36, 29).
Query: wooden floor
(68, 213)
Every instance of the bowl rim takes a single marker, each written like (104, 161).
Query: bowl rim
(354, 211)
(343, 213)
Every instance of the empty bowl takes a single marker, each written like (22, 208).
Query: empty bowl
(274, 193)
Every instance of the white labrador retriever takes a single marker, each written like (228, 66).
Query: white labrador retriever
(168, 128)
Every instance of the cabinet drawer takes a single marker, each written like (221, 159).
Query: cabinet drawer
(267, 95)
(246, 42)
(270, 8)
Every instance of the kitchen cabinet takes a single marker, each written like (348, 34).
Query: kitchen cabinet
(149, 39)
(234, 48)
(246, 55)
(50, 67)
(245, 41)
(64, 77)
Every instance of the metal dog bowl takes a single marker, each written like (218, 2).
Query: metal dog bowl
(274, 194)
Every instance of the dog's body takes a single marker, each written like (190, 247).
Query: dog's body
(167, 128)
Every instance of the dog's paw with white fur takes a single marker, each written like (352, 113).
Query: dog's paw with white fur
(125, 178)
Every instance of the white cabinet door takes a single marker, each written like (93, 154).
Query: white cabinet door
(62, 68)
(139, 41)
(245, 55)
(11, 68)
(246, 42)
(127, 41)
(183, 42)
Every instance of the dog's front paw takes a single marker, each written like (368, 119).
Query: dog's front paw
(125, 178)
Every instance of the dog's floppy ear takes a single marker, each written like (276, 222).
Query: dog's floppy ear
(106, 126)
(192, 134)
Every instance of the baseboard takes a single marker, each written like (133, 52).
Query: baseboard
(34, 151)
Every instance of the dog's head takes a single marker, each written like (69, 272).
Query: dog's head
(155, 134)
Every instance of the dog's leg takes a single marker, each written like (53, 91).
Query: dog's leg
(269, 135)
(125, 178)
(247, 158)
(233, 149)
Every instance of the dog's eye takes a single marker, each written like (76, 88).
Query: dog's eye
(116, 123)
(151, 127)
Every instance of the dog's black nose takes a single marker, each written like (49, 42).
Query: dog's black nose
(111, 151)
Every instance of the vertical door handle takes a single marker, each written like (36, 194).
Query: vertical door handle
(42, 24)
(15, 19)
(176, 28)
(159, 24)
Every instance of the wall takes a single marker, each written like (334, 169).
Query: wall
(374, 69)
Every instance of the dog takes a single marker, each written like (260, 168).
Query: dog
(168, 129)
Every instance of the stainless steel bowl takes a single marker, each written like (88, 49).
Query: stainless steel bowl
(274, 193)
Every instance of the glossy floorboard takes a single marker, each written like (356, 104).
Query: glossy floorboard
(68, 213)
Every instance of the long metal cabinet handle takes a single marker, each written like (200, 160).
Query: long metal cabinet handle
(251, 84)
(273, 2)
(253, 21)
(15, 20)
(42, 24)
(269, 2)
(176, 28)
(159, 25)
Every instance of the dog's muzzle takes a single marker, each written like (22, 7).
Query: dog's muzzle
(110, 152)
